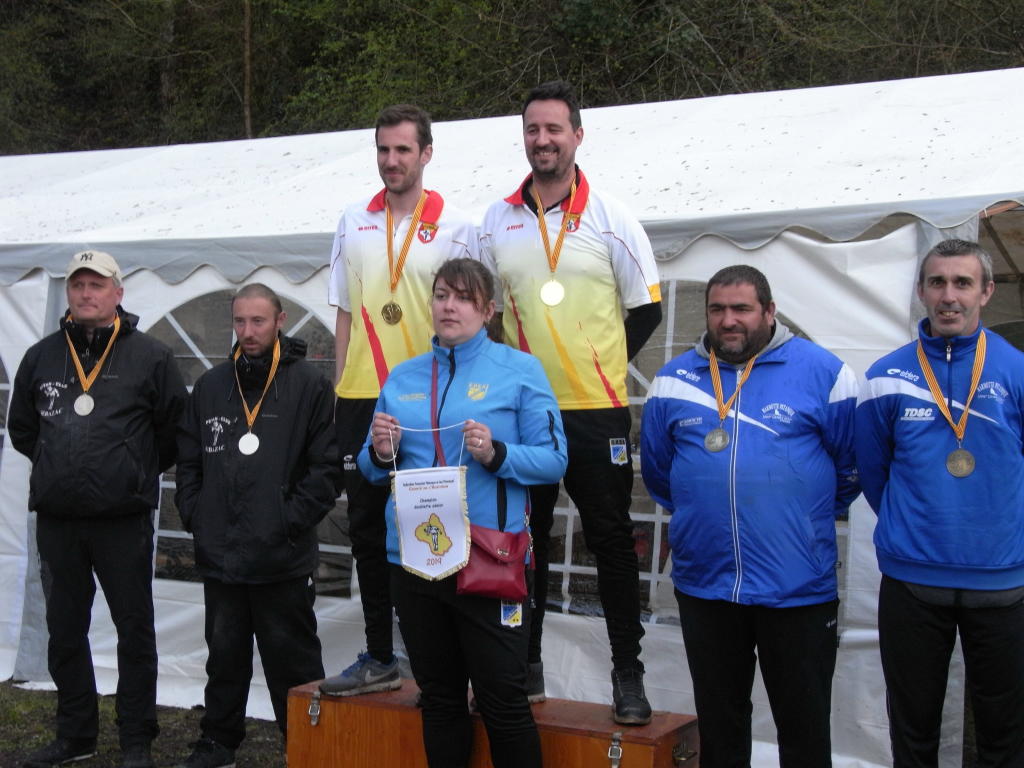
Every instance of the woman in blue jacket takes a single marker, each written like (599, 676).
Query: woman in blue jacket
(488, 407)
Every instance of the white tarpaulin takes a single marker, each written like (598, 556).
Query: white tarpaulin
(779, 180)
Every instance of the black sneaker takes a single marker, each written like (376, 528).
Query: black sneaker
(137, 756)
(61, 752)
(207, 753)
(630, 705)
(535, 682)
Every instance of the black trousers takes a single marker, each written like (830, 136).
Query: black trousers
(916, 641)
(281, 617)
(602, 491)
(796, 648)
(367, 528)
(119, 550)
(453, 640)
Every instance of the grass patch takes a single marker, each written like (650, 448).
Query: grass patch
(27, 723)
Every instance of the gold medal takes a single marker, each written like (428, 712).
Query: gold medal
(960, 462)
(392, 313)
(248, 444)
(84, 404)
(716, 440)
(552, 293)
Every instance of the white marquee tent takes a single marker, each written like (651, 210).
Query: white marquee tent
(794, 182)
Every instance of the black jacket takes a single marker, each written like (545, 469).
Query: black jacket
(254, 517)
(107, 463)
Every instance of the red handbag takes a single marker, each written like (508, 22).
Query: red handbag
(497, 564)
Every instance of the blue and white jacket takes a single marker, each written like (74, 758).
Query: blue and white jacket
(496, 385)
(933, 528)
(755, 523)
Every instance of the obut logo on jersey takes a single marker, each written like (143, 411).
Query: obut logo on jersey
(427, 232)
(49, 392)
(688, 375)
(918, 414)
(778, 412)
(216, 426)
(992, 390)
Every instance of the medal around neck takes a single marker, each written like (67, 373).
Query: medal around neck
(248, 444)
(392, 313)
(552, 293)
(960, 463)
(716, 440)
(84, 404)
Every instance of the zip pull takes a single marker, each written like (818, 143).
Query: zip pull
(949, 351)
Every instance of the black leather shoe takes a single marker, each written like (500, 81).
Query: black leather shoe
(630, 705)
(60, 752)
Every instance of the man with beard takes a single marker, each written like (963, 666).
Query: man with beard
(257, 470)
(95, 406)
(581, 293)
(386, 250)
(747, 440)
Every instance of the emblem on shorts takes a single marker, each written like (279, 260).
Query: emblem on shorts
(511, 614)
(618, 451)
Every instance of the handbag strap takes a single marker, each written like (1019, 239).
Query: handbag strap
(438, 448)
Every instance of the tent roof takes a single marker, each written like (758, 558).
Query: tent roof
(834, 160)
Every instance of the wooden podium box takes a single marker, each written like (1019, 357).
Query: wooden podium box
(383, 730)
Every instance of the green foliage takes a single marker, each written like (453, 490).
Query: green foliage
(81, 74)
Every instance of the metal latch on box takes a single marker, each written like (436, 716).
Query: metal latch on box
(314, 708)
(615, 750)
(682, 755)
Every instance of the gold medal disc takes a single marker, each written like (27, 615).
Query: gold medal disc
(391, 312)
(716, 440)
(248, 444)
(552, 293)
(84, 404)
(960, 463)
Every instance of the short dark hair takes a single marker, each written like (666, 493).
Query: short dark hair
(955, 247)
(406, 113)
(258, 291)
(558, 90)
(741, 274)
(467, 275)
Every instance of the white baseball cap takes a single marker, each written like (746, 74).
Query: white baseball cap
(95, 261)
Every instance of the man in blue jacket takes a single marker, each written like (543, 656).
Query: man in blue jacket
(939, 446)
(748, 441)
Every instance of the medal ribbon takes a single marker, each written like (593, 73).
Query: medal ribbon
(395, 270)
(250, 415)
(542, 224)
(959, 427)
(87, 381)
(716, 382)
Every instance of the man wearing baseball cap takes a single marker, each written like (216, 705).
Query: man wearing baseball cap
(95, 406)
